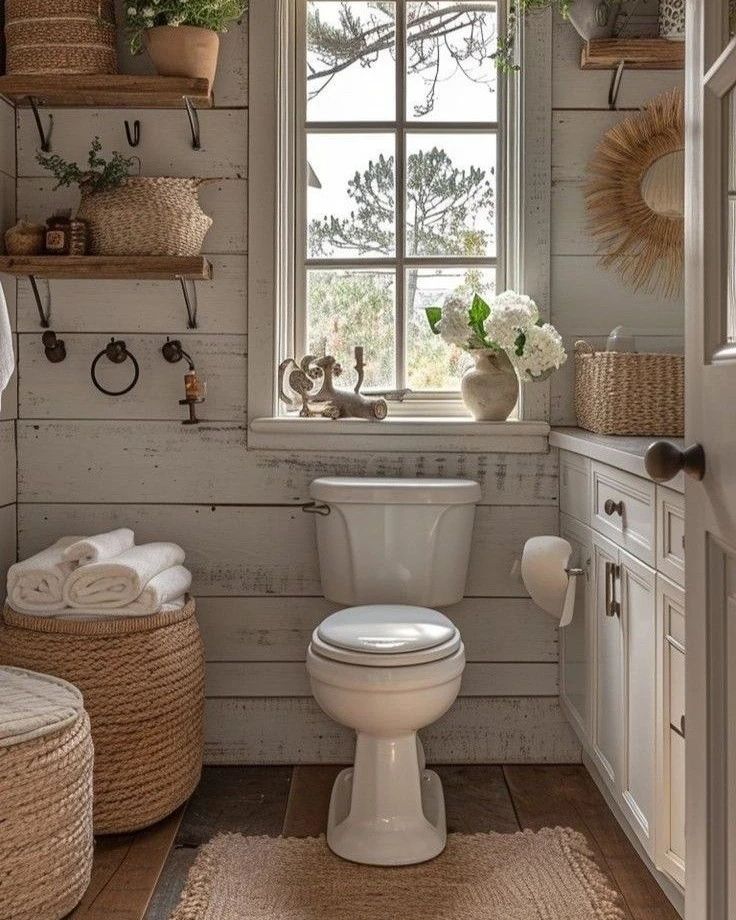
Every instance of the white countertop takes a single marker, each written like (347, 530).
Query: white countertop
(623, 452)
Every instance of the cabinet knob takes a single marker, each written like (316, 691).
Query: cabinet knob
(611, 507)
(664, 460)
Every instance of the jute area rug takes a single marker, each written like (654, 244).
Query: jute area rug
(548, 875)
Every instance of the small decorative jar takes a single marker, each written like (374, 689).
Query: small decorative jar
(672, 20)
(58, 234)
(78, 236)
(491, 388)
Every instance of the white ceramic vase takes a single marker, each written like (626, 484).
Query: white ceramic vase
(594, 18)
(491, 388)
(672, 20)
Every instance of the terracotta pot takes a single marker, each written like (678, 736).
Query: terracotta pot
(594, 18)
(183, 51)
(491, 388)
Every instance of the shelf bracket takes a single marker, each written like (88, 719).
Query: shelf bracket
(193, 123)
(44, 309)
(44, 136)
(189, 290)
(616, 85)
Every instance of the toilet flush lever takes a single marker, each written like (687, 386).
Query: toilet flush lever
(316, 508)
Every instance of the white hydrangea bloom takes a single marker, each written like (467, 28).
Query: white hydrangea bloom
(543, 352)
(511, 313)
(453, 326)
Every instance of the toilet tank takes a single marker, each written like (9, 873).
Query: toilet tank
(401, 541)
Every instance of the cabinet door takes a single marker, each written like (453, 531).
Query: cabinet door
(576, 639)
(608, 721)
(638, 622)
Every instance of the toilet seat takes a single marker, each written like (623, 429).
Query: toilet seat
(386, 636)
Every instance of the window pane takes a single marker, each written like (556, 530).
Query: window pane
(450, 194)
(346, 308)
(432, 364)
(450, 73)
(350, 59)
(351, 196)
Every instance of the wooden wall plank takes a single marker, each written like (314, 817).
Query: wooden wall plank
(65, 390)
(7, 463)
(167, 461)
(7, 540)
(165, 147)
(143, 306)
(272, 550)
(279, 629)
(475, 730)
(7, 139)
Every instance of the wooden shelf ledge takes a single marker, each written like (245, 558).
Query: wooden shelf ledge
(89, 268)
(637, 54)
(130, 91)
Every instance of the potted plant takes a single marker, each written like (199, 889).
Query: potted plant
(181, 36)
(507, 341)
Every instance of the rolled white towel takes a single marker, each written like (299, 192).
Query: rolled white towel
(164, 592)
(36, 584)
(99, 547)
(116, 582)
(176, 604)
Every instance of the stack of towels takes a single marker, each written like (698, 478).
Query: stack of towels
(102, 575)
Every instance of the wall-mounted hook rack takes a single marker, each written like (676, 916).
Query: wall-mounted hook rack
(134, 137)
(44, 136)
(44, 310)
(54, 348)
(115, 351)
(615, 88)
(193, 123)
(189, 290)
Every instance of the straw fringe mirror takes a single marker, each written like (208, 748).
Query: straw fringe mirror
(635, 196)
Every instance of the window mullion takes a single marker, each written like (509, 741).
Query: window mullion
(400, 192)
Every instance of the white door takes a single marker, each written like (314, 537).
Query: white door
(711, 503)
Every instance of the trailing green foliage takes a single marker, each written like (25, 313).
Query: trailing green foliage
(100, 174)
(504, 56)
(206, 14)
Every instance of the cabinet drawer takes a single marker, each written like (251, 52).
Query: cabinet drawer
(623, 509)
(671, 534)
(575, 486)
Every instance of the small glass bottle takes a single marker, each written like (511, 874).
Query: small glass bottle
(58, 234)
(78, 235)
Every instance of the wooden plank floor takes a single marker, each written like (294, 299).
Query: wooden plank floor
(129, 884)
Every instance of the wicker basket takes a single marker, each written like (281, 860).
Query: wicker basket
(45, 796)
(60, 36)
(629, 394)
(143, 685)
(152, 217)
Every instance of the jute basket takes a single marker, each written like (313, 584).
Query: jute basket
(143, 684)
(153, 217)
(629, 394)
(45, 796)
(60, 36)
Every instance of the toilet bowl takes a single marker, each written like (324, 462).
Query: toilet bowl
(389, 664)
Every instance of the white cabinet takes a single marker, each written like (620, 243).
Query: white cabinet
(576, 639)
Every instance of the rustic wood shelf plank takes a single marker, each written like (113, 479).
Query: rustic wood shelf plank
(141, 268)
(133, 91)
(637, 54)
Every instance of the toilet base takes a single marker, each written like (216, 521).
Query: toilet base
(400, 840)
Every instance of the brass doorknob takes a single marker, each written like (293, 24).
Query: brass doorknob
(664, 460)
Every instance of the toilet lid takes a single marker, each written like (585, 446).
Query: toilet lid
(386, 634)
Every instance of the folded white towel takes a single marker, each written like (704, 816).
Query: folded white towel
(99, 547)
(7, 357)
(36, 584)
(163, 593)
(113, 583)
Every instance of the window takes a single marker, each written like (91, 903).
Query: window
(399, 182)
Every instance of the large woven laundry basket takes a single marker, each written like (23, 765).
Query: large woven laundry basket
(60, 36)
(143, 684)
(146, 216)
(45, 796)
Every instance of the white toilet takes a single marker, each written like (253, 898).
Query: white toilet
(391, 665)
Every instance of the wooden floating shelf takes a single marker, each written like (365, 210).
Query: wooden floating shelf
(130, 91)
(90, 268)
(636, 53)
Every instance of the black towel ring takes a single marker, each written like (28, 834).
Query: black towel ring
(116, 352)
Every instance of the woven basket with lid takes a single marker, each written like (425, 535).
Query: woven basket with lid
(143, 684)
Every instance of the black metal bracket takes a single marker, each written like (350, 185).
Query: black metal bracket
(615, 88)
(189, 290)
(193, 123)
(54, 349)
(134, 138)
(44, 310)
(44, 136)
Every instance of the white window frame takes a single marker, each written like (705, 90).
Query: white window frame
(524, 159)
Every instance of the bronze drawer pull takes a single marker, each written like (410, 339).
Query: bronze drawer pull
(611, 507)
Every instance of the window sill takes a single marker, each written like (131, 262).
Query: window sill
(461, 435)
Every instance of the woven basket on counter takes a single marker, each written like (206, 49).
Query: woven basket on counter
(60, 37)
(152, 217)
(629, 394)
(142, 679)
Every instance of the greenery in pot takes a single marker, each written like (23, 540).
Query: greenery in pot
(505, 54)
(99, 174)
(215, 15)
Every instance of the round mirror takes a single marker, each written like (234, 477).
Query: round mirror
(663, 185)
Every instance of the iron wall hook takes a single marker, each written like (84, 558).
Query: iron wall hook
(173, 352)
(616, 85)
(134, 138)
(44, 310)
(43, 135)
(115, 351)
(193, 123)
(54, 348)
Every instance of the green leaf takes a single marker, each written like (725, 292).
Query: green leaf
(434, 315)
(519, 344)
(479, 311)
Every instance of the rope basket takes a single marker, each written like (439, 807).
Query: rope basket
(45, 796)
(146, 216)
(629, 394)
(143, 684)
(66, 36)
